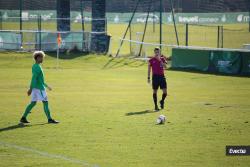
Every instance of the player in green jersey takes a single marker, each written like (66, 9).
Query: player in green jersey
(37, 89)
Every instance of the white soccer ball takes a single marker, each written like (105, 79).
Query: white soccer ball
(161, 119)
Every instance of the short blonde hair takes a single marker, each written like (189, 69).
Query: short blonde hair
(157, 48)
(37, 54)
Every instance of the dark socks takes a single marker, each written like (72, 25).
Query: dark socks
(155, 99)
(164, 95)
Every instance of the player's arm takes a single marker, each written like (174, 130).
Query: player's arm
(165, 65)
(168, 58)
(47, 86)
(149, 71)
(165, 61)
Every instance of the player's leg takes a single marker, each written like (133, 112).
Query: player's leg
(164, 95)
(47, 112)
(27, 111)
(44, 98)
(163, 87)
(155, 99)
(46, 109)
(155, 86)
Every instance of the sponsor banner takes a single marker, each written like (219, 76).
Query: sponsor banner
(225, 62)
(7, 15)
(212, 18)
(245, 63)
(192, 18)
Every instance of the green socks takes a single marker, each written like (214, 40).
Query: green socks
(32, 104)
(46, 109)
(29, 108)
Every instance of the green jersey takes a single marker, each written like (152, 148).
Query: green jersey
(37, 80)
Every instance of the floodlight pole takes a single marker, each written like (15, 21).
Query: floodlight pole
(129, 24)
(176, 33)
(160, 23)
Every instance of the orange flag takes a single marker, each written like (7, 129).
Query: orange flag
(59, 39)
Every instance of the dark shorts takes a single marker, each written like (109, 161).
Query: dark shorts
(159, 81)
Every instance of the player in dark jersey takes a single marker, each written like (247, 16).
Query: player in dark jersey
(158, 64)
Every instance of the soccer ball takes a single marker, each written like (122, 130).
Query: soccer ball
(161, 119)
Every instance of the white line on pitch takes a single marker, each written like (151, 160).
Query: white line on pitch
(48, 155)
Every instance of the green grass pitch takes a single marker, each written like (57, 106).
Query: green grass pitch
(104, 106)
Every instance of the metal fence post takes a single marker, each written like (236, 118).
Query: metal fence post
(20, 20)
(218, 36)
(186, 34)
(222, 37)
(40, 33)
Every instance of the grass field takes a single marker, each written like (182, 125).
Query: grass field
(104, 106)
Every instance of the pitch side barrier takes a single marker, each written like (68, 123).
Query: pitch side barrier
(30, 40)
(213, 60)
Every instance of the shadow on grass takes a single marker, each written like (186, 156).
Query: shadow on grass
(139, 113)
(67, 55)
(107, 64)
(18, 126)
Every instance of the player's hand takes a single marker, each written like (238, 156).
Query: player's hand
(148, 80)
(49, 88)
(29, 92)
